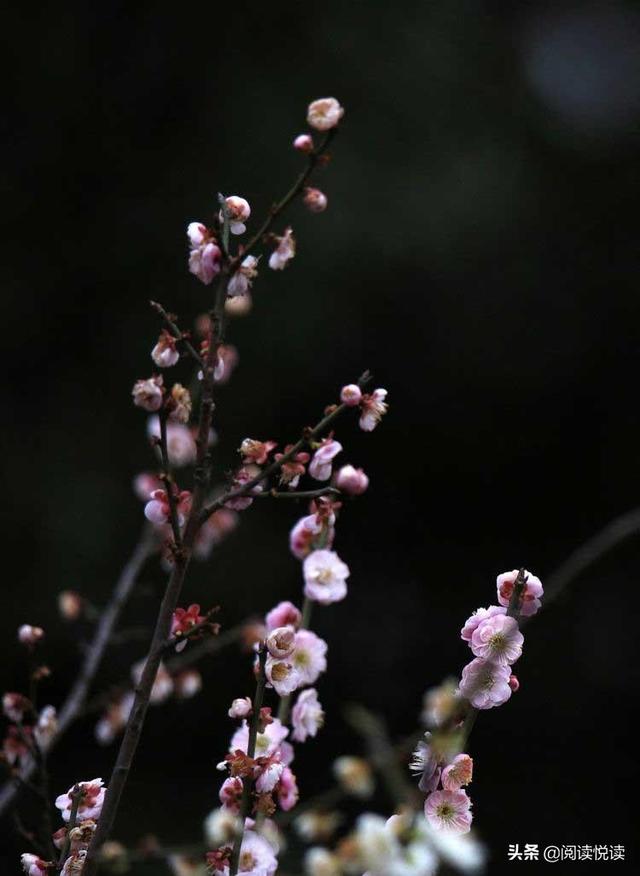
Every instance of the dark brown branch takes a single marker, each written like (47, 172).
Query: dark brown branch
(76, 698)
(167, 480)
(301, 494)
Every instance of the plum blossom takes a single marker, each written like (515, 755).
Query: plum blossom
(352, 481)
(74, 864)
(282, 675)
(425, 764)
(481, 614)
(291, 471)
(314, 200)
(164, 354)
(114, 719)
(440, 703)
(147, 394)
(351, 395)
(205, 254)
(187, 684)
(181, 446)
(240, 479)
(287, 790)
(325, 577)
(373, 408)
(284, 251)
(269, 776)
(29, 635)
(281, 642)
(309, 657)
(306, 532)
(324, 113)
(514, 684)
(231, 793)
(307, 716)
(449, 811)
(321, 862)
(158, 511)
(179, 404)
(183, 620)
(498, 639)
(256, 452)
(458, 773)
(239, 211)
(320, 466)
(531, 595)
(91, 800)
(267, 742)
(33, 865)
(220, 826)
(354, 775)
(227, 360)
(485, 684)
(284, 614)
(241, 707)
(303, 143)
(241, 281)
(46, 726)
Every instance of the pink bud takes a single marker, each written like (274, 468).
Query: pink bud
(29, 635)
(514, 684)
(352, 481)
(350, 395)
(315, 200)
(285, 614)
(240, 708)
(303, 143)
(281, 641)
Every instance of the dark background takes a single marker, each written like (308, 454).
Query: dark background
(479, 255)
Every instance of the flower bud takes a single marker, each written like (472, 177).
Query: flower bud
(29, 635)
(147, 394)
(281, 642)
(352, 481)
(314, 200)
(240, 708)
(303, 143)
(514, 684)
(239, 211)
(350, 395)
(324, 113)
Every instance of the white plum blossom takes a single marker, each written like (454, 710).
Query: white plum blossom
(91, 800)
(373, 408)
(321, 862)
(148, 394)
(239, 211)
(221, 826)
(267, 742)
(307, 716)
(29, 635)
(281, 642)
(33, 865)
(241, 281)
(325, 577)
(164, 354)
(282, 675)
(47, 725)
(324, 113)
(320, 465)
(241, 707)
(284, 251)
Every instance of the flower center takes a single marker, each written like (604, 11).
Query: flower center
(247, 861)
(445, 811)
(497, 642)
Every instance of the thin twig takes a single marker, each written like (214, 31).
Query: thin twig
(168, 481)
(301, 494)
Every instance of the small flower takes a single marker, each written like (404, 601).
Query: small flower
(227, 361)
(205, 255)
(158, 511)
(183, 620)
(354, 775)
(239, 211)
(303, 143)
(314, 200)
(33, 865)
(373, 409)
(256, 452)
(267, 742)
(147, 394)
(197, 233)
(485, 684)
(181, 447)
(481, 614)
(231, 794)
(307, 716)
(74, 865)
(14, 706)
(242, 477)
(325, 577)
(187, 684)
(449, 811)
(91, 800)
(287, 790)
(179, 404)
(352, 481)
(309, 657)
(282, 675)
(269, 775)
(530, 599)
(285, 614)
(306, 532)
(514, 684)
(29, 635)
(291, 471)
(281, 641)
(241, 707)
(241, 281)
(497, 639)
(114, 719)
(425, 764)
(458, 773)
(351, 395)
(320, 466)
(164, 354)
(220, 826)
(324, 113)
(70, 603)
(284, 252)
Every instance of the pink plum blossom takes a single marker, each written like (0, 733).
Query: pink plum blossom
(256, 452)
(227, 360)
(373, 408)
(476, 619)
(29, 635)
(325, 577)
(320, 466)
(148, 394)
(240, 479)
(239, 211)
(231, 793)
(306, 716)
(33, 865)
(294, 468)
(164, 354)
(267, 742)
(241, 281)
(309, 657)
(91, 800)
(157, 510)
(498, 639)
(303, 143)
(187, 683)
(282, 675)
(287, 790)
(74, 864)
(283, 615)
(351, 395)
(485, 684)
(449, 811)
(205, 256)
(281, 642)
(324, 113)
(314, 200)
(352, 481)
(181, 445)
(179, 404)
(284, 251)
(269, 776)
(305, 532)
(458, 773)
(241, 707)
(530, 600)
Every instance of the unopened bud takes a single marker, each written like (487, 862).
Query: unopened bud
(350, 395)
(281, 642)
(314, 200)
(303, 143)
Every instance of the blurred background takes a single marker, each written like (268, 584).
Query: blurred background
(479, 254)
